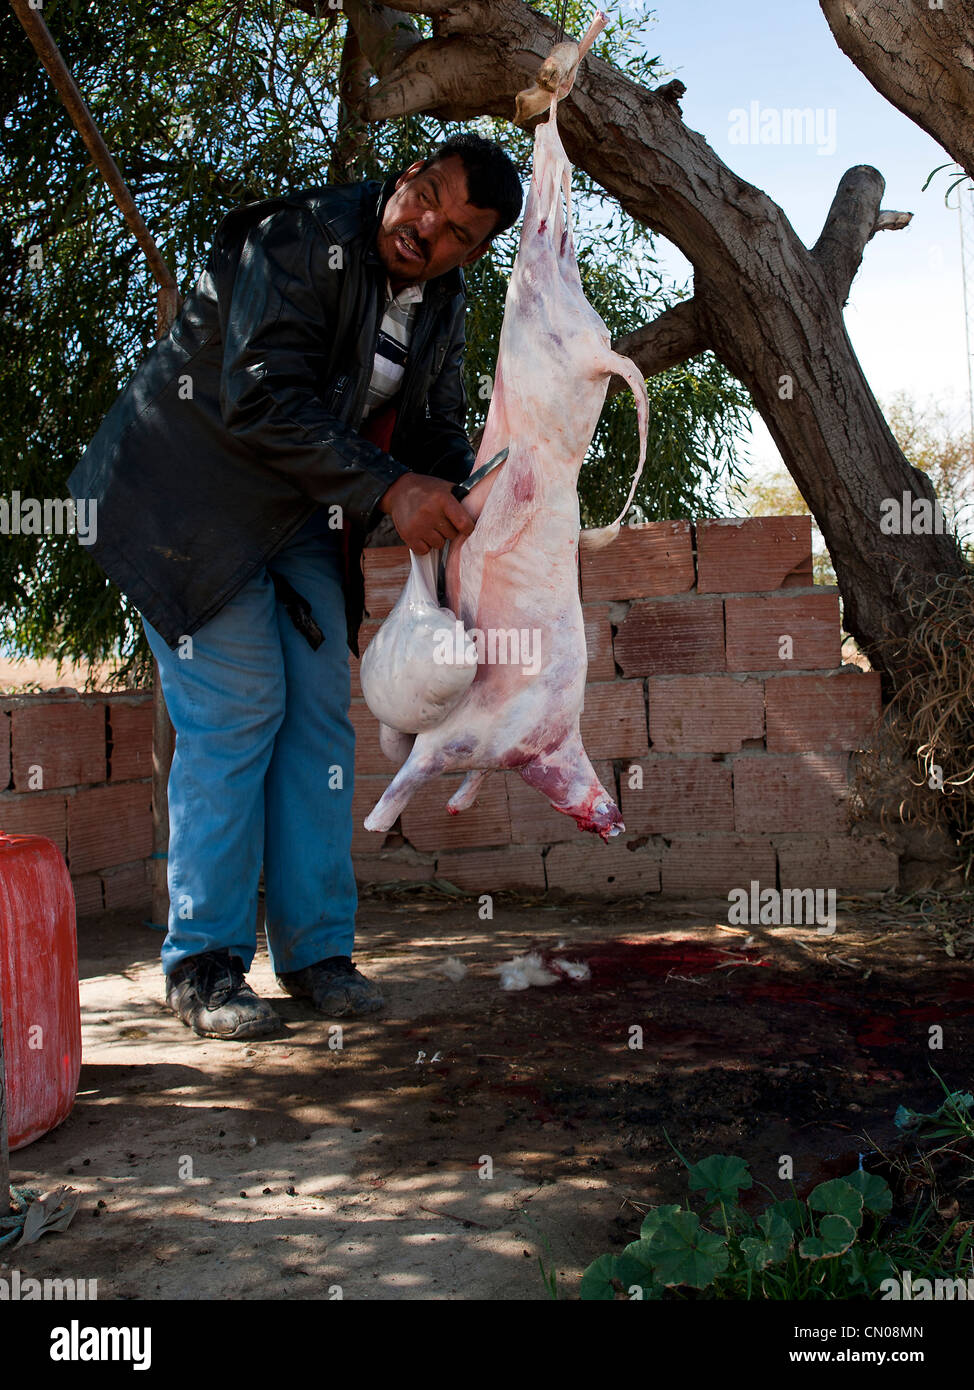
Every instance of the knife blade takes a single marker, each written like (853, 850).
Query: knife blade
(461, 489)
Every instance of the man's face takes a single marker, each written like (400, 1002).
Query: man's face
(428, 226)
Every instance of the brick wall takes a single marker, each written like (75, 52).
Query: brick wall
(717, 709)
(78, 769)
(730, 760)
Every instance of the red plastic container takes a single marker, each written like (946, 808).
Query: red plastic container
(38, 986)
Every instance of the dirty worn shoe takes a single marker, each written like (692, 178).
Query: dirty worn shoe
(211, 996)
(334, 987)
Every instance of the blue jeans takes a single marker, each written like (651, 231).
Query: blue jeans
(263, 770)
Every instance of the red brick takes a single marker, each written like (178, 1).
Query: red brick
(128, 886)
(822, 714)
(678, 794)
(383, 868)
(592, 867)
(131, 734)
(109, 825)
(598, 642)
(613, 723)
(676, 637)
(428, 825)
(369, 757)
(89, 895)
(712, 865)
(704, 714)
(365, 634)
(755, 627)
(847, 863)
(754, 553)
(34, 814)
(66, 739)
(492, 870)
(4, 750)
(642, 562)
(803, 792)
(533, 818)
(386, 568)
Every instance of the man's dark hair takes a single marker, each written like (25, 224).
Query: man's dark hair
(492, 180)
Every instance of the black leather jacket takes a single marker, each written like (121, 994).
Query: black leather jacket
(236, 424)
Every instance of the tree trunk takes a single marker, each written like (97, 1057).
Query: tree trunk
(918, 55)
(769, 307)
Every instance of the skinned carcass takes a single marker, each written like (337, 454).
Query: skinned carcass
(513, 583)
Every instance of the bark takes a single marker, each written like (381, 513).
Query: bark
(769, 307)
(353, 84)
(918, 56)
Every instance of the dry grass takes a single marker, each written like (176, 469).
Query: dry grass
(930, 721)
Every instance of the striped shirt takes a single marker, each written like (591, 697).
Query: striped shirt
(392, 347)
(388, 366)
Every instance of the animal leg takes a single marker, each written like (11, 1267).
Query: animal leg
(422, 764)
(466, 794)
(567, 778)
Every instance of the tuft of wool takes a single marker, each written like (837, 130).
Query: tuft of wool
(574, 969)
(451, 968)
(524, 971)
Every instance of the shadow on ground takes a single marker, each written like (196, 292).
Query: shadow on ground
(450, 1142)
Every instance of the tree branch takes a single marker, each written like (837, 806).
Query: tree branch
(353, 83)
(384, 35)
(853, 219)
(673, 337)
(918, 56)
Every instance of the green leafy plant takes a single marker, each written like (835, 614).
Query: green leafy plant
(954, 1119)
(825, 1247)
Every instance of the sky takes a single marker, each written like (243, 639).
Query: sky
(905, 315)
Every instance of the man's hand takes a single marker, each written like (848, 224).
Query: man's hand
(425, 512)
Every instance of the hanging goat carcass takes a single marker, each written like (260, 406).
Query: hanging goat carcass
(513, 631)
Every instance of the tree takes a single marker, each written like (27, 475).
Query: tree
(769, 308)
(918, 56)
(204, 107)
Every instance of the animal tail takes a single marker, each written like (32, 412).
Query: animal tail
(630, 373)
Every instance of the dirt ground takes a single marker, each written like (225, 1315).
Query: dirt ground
(467, 1131)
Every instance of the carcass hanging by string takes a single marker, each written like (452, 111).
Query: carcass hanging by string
(513, 584)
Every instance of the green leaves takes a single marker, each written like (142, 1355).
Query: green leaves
(868, 1267)
(654, 1219)
(720, 1177)
(684, 1253)
(597, 1285)
(955, 1117)
(791, 1250)
(778, 1239)
(842, 1204)
(610, 1276)
(840, 1197)
(792, 1212)
(876, 1196)
(835, 1236)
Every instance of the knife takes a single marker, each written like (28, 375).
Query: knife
(461, 489)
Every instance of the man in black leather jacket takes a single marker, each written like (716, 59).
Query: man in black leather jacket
(311, 382)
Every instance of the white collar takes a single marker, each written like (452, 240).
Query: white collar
(410, 294)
